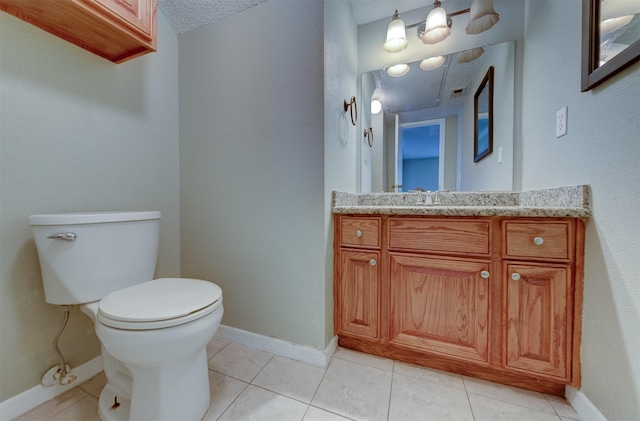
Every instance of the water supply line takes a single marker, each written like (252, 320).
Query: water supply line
(59, 374)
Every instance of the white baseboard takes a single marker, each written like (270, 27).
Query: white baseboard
(583, 406)
(301, 353)
(29, 399)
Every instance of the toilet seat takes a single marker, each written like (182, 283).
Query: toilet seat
(158, 304)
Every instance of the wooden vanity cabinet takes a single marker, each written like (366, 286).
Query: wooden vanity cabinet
(488, 297)
(539, 261)
(439, 285)
(357, 289)
(117, 30)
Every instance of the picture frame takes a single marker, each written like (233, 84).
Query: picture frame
(593, 72)
(483, 117)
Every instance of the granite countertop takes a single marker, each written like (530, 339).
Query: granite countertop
(570, 201)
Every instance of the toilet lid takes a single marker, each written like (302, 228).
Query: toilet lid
(158, 300)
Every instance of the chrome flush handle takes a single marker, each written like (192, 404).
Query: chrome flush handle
(67, 236)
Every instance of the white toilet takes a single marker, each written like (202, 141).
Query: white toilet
(153, 332)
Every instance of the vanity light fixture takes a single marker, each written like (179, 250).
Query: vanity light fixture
(396, 35)
(437, 26)
(398, 70)
(432, 63)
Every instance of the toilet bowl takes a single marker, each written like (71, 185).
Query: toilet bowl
(153, 332)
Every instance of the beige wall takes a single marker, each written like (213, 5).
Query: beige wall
(252, 165)
(77, 133)
(341, 139)
(602, 149)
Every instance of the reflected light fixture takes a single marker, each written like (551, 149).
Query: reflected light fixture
(376, 103)
(432, 63)
(467, 56)
(438, 25)
(483, 16)
(396, 35)
(611, 25)
(398, 70)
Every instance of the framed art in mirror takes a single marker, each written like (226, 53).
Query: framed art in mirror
(483, 118)
(610, 39)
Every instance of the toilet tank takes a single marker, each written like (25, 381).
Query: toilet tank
(85, 256)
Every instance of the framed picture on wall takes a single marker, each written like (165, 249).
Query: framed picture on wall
(483, 118)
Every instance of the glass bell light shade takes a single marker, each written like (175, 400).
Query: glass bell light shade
(483, 16)
(437, 28)
(398, 70)
(396, 35)
(467, 56)
(432, 63)
(611, 25)
(376, 104)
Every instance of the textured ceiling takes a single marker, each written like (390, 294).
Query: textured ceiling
(187, 15)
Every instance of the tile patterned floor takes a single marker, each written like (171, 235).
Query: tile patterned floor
(249, 384)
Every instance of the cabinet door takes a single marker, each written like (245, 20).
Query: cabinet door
(358, 311)
(440, 305)
(537, 318)
(139, 13)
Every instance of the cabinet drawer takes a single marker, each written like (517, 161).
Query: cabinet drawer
(360, 231)
(544, 240)
(438, 235)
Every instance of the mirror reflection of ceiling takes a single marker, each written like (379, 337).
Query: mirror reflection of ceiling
(420, 91)
(619, 28)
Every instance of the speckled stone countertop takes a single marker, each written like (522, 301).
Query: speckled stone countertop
(570, 201)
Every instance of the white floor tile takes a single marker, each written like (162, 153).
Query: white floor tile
(224, 390)
(216, 345)
(356, 387)
(428, 374)
(94, 385)
(563, 408)
(262, 405)
(366, 359)
(509, 394)
(487, 409)
(54, 406)
(415, 399)
(317, 414)
(239, 362)
(84, 410)
(355, 391)
(290, 378)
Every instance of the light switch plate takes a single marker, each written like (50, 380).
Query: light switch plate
(561, 122)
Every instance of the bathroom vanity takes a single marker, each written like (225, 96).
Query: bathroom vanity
(487, 285)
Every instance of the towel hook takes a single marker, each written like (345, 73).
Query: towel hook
(352, 107)
(368, 134)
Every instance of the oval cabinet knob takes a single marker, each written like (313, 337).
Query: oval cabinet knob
(484, 274)
(515, 276)
(358, 233)
(372, 262)
(538, 241)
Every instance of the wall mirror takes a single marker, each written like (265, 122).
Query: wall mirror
(610, 39)
(439, 103)
(483, 118)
